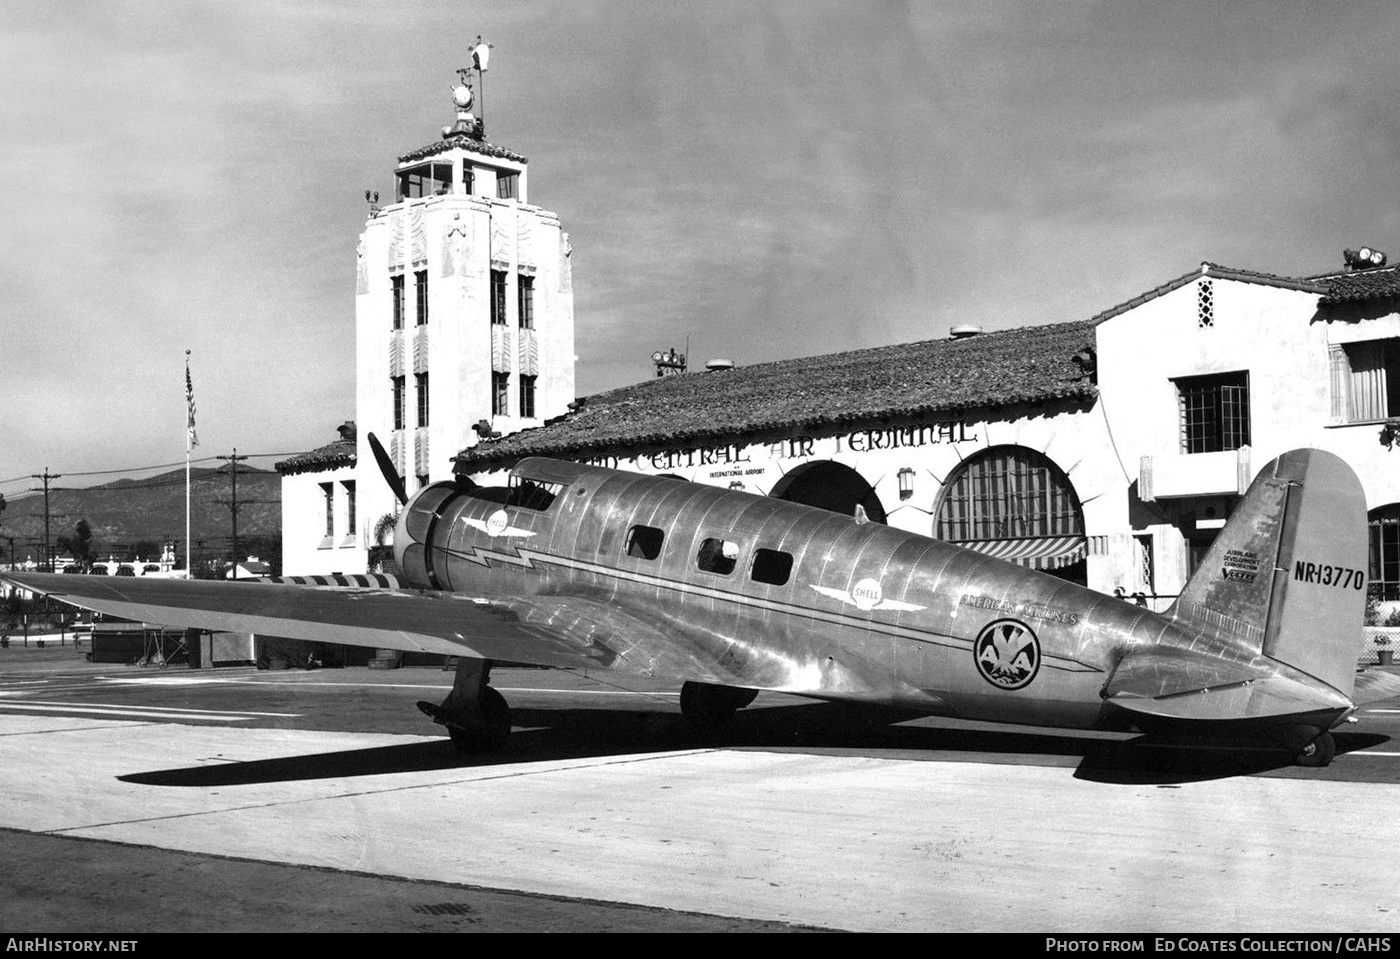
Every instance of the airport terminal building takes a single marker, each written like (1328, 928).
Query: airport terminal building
(1109, 451)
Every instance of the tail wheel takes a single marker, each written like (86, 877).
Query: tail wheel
(488, 732)
(1318, 752)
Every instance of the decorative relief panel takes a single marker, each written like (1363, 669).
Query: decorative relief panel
(457, 247)
(419, 230)
(420, 350)
(396, 353)
(525, 240)
(361, 269)
(502, 235)
(500, 349)
(396, 235)
(420, 451)
(396, 452)
(566, 273)
(529, 360)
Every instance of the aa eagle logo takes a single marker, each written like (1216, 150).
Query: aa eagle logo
(1007, 654)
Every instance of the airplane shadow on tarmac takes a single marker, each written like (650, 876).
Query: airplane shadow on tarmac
(545, 735)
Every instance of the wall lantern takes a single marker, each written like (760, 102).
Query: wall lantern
(906, 483)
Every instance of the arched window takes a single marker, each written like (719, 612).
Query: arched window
(1384, 541)
(1013, 503)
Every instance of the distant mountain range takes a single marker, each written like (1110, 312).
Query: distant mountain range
(152, 510)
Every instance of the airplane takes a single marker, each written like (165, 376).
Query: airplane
(730, 593)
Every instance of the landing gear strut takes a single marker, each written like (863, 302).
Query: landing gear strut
(476, 716)
(708, 706)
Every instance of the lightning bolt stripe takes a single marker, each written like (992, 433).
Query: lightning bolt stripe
(524, 558)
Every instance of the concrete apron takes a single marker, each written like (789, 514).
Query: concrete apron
(840, 841)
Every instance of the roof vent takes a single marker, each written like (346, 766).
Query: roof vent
(719, 365)
(964, 332)
(1366, 258)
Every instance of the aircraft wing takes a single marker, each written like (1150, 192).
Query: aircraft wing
(1190, 686)
(565, 632)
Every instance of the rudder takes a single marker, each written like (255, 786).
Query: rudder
(1286, 577)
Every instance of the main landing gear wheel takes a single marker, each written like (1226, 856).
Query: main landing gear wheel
(476, 716)
(1318, 752)
(708, 706)
(487, 733)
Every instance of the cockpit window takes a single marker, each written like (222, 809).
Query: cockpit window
(644, 542)
(532, 494)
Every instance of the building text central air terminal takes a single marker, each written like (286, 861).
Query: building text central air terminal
(1108, 450)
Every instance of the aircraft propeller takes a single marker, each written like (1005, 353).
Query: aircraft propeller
(386, 466)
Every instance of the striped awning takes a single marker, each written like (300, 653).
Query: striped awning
(1037, 552)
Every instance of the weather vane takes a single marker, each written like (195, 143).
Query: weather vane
(481, 55)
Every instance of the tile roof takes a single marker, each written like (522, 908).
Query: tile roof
(466, 142)
(339, 453)
(1027, 365)
(1381, 283)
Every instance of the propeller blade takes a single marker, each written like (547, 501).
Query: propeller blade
(386, 466)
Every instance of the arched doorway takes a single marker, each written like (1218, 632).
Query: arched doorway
(1015, 504)
(830, 486)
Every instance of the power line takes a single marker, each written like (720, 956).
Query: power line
(158, 466)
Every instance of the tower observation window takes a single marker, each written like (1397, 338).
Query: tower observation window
(428, 179)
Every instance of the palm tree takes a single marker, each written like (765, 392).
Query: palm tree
(381, 554)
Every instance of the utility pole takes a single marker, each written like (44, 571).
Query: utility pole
(233, 506)
(46, 476)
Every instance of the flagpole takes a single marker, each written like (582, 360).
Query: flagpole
(189, 445)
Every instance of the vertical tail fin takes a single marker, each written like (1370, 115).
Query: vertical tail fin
(1286, 577)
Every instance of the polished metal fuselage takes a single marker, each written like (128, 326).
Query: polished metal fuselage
(865, 613)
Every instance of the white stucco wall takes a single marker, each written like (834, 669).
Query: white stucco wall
(305, 547)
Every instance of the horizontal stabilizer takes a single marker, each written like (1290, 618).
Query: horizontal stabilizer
(1374, 685)
(1189, 686)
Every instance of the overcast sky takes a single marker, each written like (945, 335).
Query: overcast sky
(770, 179)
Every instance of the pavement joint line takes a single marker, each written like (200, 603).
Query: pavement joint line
(82, 729)
(79, 712)
(374, 792)
(20, 704)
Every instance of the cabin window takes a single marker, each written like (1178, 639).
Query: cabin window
(717, 556)
(771, 566)
(644, 542)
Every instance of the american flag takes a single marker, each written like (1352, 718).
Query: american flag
(189, 400)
